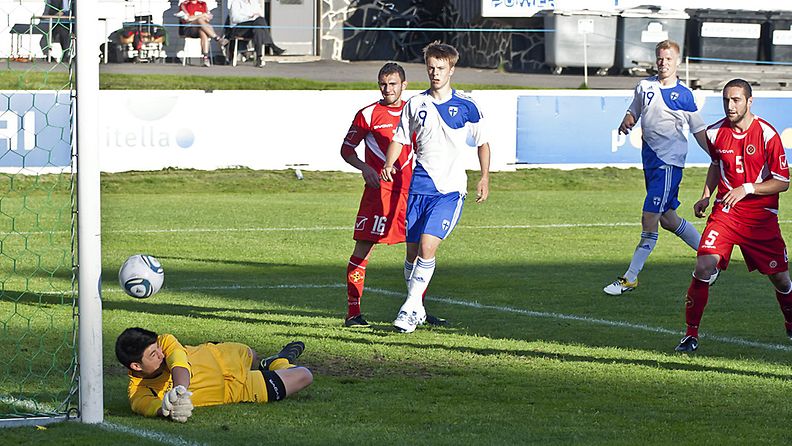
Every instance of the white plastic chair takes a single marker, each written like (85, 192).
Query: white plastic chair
(192, 48)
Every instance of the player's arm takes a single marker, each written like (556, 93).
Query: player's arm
(176, 361)
(482, 189)
(633, 112)
(144, 401)
(388, 170)
(770, 186)
(628, 122)
(698, 128)
(348, 153)
(713, 177)
(701, 139)
(401, 137)
(776, 183)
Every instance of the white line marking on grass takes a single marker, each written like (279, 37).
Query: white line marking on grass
(162, 437)
(504, 309)
(349, 228)
(620, 324)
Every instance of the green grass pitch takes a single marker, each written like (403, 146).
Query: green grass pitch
(535, 352)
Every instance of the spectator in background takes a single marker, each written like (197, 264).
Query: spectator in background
(196, 16)
(61, 12)
(247, 21)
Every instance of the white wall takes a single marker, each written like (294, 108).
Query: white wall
(151, 130)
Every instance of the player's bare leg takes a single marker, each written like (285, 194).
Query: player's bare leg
(783, 291)
(355, 278)
(293, 378)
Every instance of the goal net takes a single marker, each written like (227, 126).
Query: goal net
(39, 311)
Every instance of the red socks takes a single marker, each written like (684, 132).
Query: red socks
(356, 275)
(785, 301)
(695, 301)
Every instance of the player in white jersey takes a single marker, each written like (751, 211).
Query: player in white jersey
(444, 124)
(667, 111)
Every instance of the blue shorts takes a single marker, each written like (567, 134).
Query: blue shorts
(436, 215)
(662, 188)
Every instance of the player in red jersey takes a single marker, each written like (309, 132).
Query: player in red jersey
(750, 169)
(381, 217)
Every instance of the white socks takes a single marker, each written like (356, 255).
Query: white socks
(642, 251)
(408, 269)
(418, 281)
(688, 234)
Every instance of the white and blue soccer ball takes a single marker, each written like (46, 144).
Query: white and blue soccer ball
(141, 276)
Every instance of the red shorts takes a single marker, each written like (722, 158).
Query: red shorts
(761, 244)
(381, 218)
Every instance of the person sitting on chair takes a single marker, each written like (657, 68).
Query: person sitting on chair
(247, 21)
(196, 17)
(61, 11)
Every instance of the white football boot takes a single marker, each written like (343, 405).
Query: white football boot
(620, 286)
(407, 321)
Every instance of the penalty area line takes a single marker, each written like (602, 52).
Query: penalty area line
(512, 310)
(169, 439)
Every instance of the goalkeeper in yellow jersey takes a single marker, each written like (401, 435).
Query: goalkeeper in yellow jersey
(167, 379)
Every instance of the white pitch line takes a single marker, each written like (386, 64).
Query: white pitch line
(349, 228)
(505, 309)
(161, 437)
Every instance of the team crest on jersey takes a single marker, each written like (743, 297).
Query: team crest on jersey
(773, 264)
(782, 161)
(674, 95)
(361, 223)
(453, 111)
(750, 150)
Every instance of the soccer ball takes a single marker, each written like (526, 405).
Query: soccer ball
(141, 276)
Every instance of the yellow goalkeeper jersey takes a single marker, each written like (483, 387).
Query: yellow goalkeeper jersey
(219, 374)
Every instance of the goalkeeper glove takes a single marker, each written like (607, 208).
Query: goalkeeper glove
(182, 408)
(170, 399)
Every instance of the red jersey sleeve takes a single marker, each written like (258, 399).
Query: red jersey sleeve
(357, 131)
(776, 159)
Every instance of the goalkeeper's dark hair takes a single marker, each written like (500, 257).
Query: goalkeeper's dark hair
(392, 68)
(740, 83)
(131, 344)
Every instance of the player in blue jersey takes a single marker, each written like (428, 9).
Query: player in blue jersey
(667, 111)
(444, 124)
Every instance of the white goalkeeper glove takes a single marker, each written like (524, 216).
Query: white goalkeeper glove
(182, 409)
(170, 399)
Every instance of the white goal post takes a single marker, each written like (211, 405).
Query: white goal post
(88, 216)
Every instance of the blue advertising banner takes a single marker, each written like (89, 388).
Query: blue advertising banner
(581, 128)
(35, 130)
